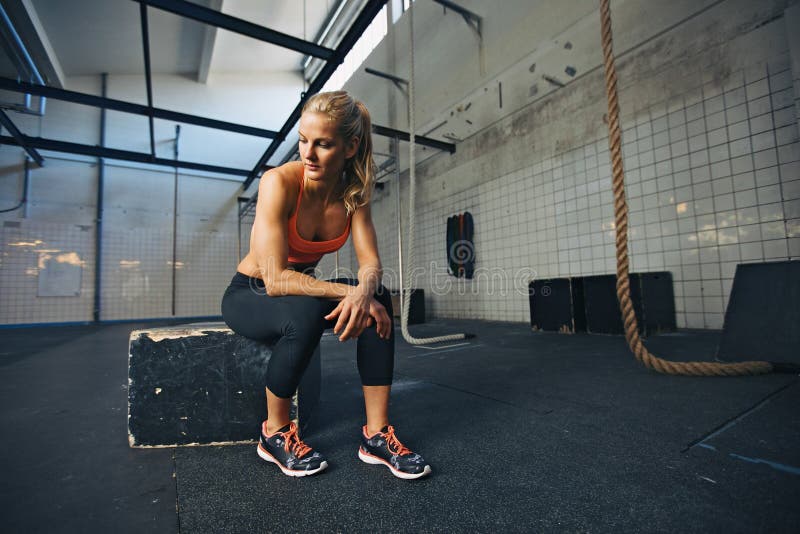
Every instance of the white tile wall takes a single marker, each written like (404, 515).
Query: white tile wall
(207, 243)
(24, 246)
(712, 181)
(206, 263)
(137, 276)
(137, 273)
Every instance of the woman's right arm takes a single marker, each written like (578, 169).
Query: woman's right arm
(270, 242)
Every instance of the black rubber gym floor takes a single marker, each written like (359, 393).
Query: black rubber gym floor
(526, 432)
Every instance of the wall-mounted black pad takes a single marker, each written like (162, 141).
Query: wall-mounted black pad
(452, 234)
(460, 245)
(467, 237)
(763, 314)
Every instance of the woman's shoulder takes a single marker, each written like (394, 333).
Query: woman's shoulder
(285, 177)
(289, 173)
(284, 182)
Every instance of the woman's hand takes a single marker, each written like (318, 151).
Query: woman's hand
(377, 312)
(356, 312)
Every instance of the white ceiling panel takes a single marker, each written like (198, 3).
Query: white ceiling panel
(94, 36)
(237, 53)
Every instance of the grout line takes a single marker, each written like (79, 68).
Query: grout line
(474, 394)
(775, 465)
(442, 347)
(441, 351)
(177, 500)
(736, 419)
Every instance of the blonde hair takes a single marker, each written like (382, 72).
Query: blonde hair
(353, 120)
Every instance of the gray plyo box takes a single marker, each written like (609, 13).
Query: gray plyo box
(201, 384)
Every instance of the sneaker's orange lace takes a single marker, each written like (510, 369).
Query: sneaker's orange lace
(294, 444)
(392, 441)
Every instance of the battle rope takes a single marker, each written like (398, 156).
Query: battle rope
(412, 178)
(621, 220)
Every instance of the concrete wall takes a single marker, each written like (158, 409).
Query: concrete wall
(710, 145)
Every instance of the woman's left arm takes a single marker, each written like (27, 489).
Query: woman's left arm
(365, 243)
(357, 311)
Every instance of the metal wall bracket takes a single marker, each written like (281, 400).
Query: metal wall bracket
(473, 21)
(400, 83)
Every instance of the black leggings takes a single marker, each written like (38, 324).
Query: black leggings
(293, 326)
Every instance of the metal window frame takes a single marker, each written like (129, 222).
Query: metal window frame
(363, 20)
(55, 145)
(129, 107)
(333, 59)
(19, 138)
(147, 74)
(211, 17)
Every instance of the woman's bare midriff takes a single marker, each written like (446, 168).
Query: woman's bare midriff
(249, 267)
(320, 229)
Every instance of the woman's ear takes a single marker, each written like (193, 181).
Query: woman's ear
(352, 148)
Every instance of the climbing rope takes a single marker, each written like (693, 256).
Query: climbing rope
(412, 179)
(621, 221)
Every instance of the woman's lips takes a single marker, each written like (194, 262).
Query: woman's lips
(312, 167)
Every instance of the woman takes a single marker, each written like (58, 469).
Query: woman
(306, 209)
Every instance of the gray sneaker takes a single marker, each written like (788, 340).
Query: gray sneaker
(287, 450)
(383, 448)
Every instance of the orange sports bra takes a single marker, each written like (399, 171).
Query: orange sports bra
(304, 251)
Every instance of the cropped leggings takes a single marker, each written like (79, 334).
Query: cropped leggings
(293, 325)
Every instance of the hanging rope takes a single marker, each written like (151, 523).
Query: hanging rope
(621, 219)
(412, 179)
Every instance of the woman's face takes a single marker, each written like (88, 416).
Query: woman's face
(322, 150)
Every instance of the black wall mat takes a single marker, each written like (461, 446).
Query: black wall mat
(557, 305)
(763, 314)
(416, 315)
(658, 302)
(578, 304)
(589, 304)
(200, 384)
(602, 310)
(652, 297)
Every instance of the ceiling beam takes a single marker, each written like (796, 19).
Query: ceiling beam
(368, 13)
(26, 22)
(210, 39)
(113, 153)
(241, 26)
(129, 107)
